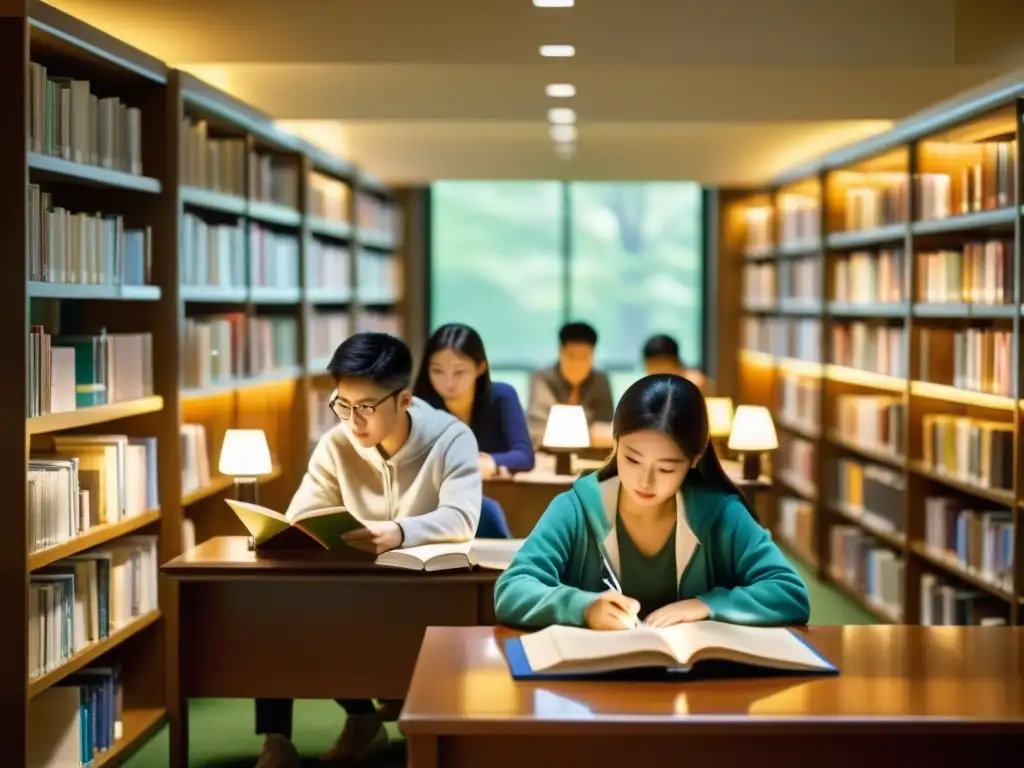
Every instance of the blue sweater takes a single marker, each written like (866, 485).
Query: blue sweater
(502, 432)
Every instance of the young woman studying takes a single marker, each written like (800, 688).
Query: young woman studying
(454, 377)
(659, 534)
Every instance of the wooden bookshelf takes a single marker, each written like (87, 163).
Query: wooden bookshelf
(158, 190)
(861, 338)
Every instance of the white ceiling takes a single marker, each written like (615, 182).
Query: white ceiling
(722, 91)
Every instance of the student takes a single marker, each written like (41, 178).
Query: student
(406, 469)
(454, 376)
(573, 381)
(662, 521)
(661, 355)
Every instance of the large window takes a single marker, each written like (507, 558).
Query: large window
(516, 259)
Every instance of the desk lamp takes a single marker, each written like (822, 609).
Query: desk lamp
(719, 422)
(752, 433)
(565, 432)
(245, 456)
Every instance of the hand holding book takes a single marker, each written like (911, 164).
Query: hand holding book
(375, 537)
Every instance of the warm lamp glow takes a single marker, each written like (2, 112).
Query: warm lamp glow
(566, 428)
(719, 416)
(245, 453)
(752, 430)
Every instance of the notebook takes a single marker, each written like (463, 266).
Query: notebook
(693, 649)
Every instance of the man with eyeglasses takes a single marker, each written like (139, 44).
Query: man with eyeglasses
(408, 471)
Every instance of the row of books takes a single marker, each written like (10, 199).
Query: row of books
(330, 266)
(870, 347)
(79, 371)
(219, 349)
(798, 401)
(379, 277)
(985, 180)
(77, 720)
(799, 280)
(874, 570)
(274, 179)
(326, 330)
(83, 248)
(977, 273)
(195, 458)
(759, 289)
(974, 451)
(208, 162)
(978, 541)
(321, 418)
(875, 200)
(868, 277)
(212, 254)
(274, 259)
(795, 461)
(799, 220)
(330, 198)
(873, 422)
(976, 359)
(379, 216)
(82, 599)
(84, 481)
(783, 337)
(67, 120)
(874, 493)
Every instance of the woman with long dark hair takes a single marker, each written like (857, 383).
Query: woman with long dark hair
(660, 534)
(454, 376)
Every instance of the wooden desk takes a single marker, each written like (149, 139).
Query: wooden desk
(905, 696)
(309, 627)
(524, 497)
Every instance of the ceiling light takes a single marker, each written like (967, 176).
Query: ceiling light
(557, 51)
(554, 3)
(561, 116)
(563, 132)
(560, 90)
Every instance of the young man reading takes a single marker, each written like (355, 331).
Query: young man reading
(572, 381)
(405, 469)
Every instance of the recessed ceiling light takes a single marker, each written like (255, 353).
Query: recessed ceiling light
(560, 90)
(562, 133)
(561, 116)
(554, 3)
(557, 51)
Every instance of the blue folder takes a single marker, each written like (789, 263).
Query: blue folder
(519, 666)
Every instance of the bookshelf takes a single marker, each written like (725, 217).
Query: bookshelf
(881, 322)
(183, 276)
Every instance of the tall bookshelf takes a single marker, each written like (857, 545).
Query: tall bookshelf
(191, 217)
(882, 324)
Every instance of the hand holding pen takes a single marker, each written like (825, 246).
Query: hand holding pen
(612, 609)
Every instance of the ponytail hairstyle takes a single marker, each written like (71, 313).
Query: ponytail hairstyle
(674, 406)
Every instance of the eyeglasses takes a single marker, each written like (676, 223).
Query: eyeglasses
(344, 412)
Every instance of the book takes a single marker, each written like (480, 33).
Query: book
(271, 529)
(682, 649)
(492, 554)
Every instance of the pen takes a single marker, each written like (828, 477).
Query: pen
(613, 583)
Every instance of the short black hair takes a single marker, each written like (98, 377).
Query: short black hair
(378, 357)
(661, 346)
(577, 333)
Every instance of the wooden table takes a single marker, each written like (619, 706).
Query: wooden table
(905, 696)
(309, 626)
(525, 496)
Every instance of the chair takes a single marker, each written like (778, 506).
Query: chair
(493, 524)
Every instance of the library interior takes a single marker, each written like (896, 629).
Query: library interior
(450, 323)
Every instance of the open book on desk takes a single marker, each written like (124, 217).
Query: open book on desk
(271, 530)
(493, 554)
(682, 649)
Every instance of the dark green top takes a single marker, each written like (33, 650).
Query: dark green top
(651, 580)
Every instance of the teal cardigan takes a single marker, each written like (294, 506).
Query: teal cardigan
(723, 557)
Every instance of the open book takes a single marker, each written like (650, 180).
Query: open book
(560, 651)
(494, 554)
(320, 526)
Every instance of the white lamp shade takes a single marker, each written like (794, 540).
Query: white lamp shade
(719, 416)
(566, 428)
(752, 430)
(245, 453)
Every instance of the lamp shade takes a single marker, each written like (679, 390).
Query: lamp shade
(245, 453)
(719, 416)
(752, 430)
(566, 428)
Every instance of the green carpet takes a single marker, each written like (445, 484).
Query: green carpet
(222, 729)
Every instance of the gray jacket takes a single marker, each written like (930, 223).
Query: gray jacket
(547, 388)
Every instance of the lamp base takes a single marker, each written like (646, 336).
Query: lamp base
(563, 463)
(247, 489)
(751, 465)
